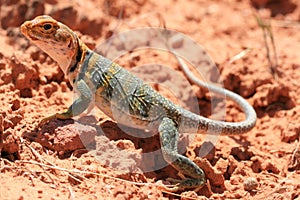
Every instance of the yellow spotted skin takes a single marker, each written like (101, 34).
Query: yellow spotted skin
(126, 98)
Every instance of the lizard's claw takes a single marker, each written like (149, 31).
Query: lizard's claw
(64, 115)
(173, 180)
(174, 186)
(178, 185)
(168, 187)
(46, 119)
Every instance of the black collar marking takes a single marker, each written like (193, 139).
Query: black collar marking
(85, 64)
(78, 58)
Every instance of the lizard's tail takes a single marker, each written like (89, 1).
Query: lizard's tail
(221, 126)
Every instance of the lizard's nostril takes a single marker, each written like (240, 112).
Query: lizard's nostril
(23, 28)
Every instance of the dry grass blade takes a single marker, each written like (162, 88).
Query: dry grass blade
(119, 22)
(268, 33)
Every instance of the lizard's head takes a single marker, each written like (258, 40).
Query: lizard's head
(53, 37)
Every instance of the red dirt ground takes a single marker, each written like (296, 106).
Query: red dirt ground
(51, 162)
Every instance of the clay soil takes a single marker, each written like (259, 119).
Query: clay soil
(56, 160)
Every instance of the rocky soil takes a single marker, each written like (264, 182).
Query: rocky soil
(255, 45)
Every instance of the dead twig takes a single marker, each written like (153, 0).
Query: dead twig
(286, 23)
(279, 187)
(1, 134)
(71, 194)
(240, 55)
(77, 171)
(38, 157)
(295, 159)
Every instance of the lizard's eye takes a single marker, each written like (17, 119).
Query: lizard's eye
(47, 26)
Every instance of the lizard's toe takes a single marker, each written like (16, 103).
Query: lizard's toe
(187, 183)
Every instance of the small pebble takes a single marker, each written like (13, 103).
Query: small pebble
(250, 184)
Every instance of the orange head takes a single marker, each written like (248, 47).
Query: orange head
(54, 38)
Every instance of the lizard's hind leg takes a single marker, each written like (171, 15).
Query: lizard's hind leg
(168, 133)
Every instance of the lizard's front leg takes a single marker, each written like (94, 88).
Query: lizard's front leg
(168, 133)
(77, 107)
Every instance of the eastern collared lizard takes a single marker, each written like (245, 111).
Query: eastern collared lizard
(126, 98)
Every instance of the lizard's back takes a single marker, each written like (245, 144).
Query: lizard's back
(124, 97)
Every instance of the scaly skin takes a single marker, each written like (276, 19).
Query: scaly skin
(127, 99)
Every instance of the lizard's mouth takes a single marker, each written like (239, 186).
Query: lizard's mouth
(26, 31)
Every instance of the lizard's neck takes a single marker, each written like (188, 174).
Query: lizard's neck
(71, 64)
(64, 61)
(73, 69)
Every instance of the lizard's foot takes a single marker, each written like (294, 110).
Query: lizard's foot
(187, 183)
(169, 134)
(63, 115)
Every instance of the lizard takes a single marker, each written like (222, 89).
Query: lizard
(127, 99)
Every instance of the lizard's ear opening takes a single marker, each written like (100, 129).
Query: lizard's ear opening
(70, 44)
